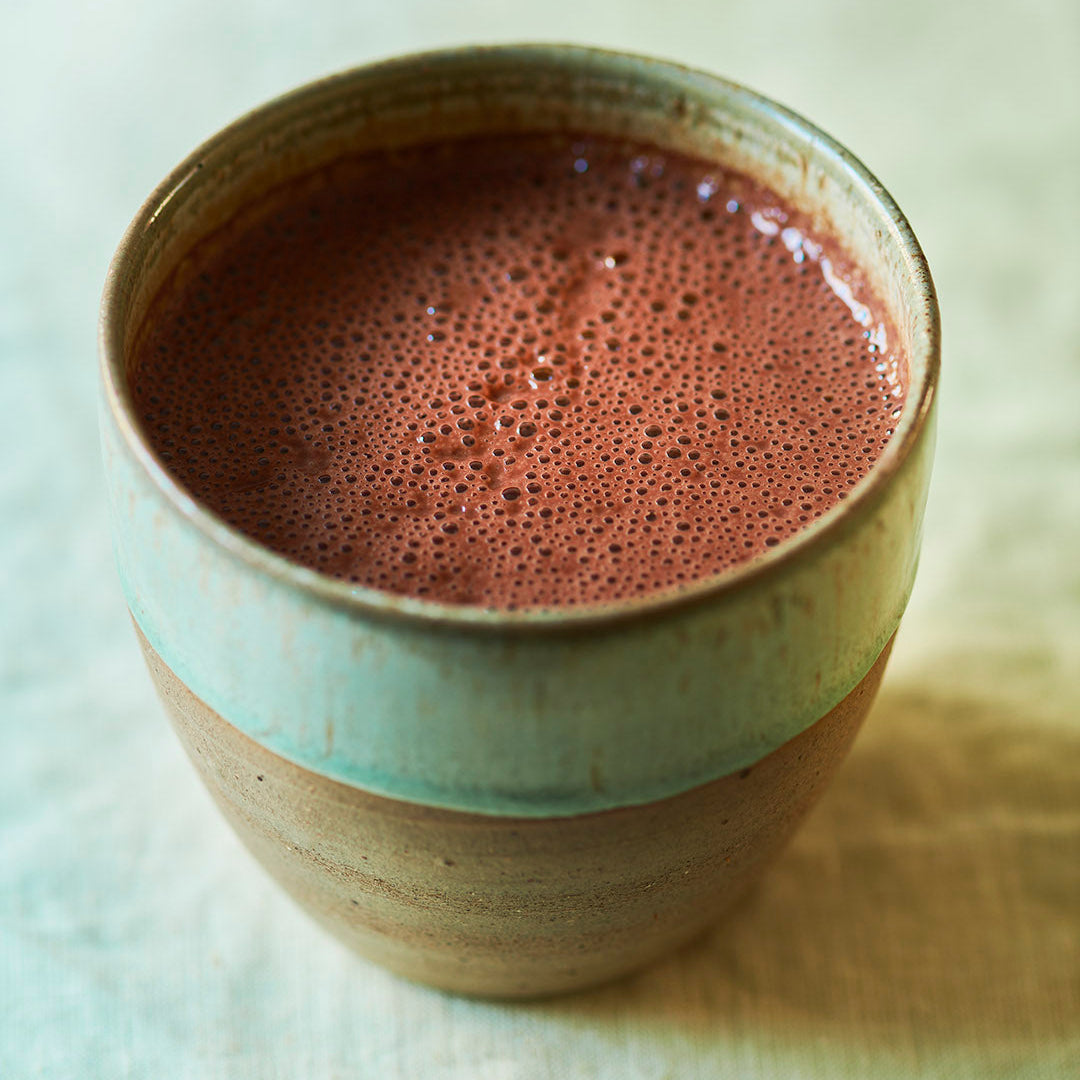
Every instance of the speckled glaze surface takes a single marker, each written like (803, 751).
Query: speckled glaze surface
(551, 717)
(503, 906)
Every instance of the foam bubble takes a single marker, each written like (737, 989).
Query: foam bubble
(520, 372)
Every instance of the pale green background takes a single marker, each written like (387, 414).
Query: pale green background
(926, 922)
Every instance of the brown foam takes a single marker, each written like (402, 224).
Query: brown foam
(519, 372)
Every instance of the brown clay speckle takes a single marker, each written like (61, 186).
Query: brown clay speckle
(528, 895)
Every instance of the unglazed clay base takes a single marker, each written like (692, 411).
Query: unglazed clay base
(509, 906)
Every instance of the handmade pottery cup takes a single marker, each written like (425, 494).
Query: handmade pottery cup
(516, 803)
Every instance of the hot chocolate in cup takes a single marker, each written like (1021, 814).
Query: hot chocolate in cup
(516, 800)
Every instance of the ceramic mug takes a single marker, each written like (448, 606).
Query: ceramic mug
(516, 803)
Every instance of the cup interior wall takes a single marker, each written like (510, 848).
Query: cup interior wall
(394, 106)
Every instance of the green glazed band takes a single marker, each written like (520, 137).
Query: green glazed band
(537, 713)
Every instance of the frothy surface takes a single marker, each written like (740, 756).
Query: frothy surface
(518, 372)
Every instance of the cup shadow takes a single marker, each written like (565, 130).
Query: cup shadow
(935, 889)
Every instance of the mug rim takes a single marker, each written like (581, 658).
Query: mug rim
(364, 601)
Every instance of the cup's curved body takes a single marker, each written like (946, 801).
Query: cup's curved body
(517, 803)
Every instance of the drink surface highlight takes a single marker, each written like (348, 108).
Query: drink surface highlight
(519, 372)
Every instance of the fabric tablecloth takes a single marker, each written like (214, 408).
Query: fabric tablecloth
(925, 922)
